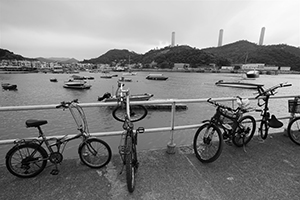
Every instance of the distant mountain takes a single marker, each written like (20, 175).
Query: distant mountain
(8, 55)
(164, 57)
(235, 53)
(247, 52)
(59, 60)
(116, 55)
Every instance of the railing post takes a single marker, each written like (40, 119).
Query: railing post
(171, 145)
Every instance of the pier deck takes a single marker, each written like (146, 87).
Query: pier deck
(268, 170)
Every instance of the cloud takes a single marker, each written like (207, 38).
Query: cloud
(87, 28)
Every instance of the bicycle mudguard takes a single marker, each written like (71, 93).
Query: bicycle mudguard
(275, 123)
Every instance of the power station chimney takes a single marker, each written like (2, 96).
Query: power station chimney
(220, 38)
(262, 35)
(173, 39)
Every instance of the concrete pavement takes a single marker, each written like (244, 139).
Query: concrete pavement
(268, 170)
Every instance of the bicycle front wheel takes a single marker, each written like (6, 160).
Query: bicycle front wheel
(130, 167)
(208, 143)
(264, 129)
(137, 113)
(244, 131)
(94, 153)
(26, 160)
(293, 130)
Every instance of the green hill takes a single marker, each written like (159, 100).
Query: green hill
(8, 55)
(244, 51)
(164, 57)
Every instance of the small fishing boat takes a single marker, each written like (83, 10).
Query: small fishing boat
(123, 79)
(252, 74)
(53, 79)
(8, 86)
(106, 75)
(129, 74)
(77, 84)
(160, 77)
(135, 97)
(238, 84)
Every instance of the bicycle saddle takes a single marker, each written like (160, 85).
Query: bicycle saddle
(35, 123)
(274, 122)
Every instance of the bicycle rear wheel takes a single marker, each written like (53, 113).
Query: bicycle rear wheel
(264, 129)
(94, 153)
(130, 166)
(293, 130)
(137, 113)
(208, 143)
(26, 160)
(244, 131)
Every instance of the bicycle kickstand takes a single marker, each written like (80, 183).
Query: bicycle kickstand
(122, 169)
(55, 171)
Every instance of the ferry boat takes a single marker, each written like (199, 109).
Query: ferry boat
(77, 84)
(157, 77)
(238, 84)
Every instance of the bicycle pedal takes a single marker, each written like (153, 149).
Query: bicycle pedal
(54, 172)
(228, 142)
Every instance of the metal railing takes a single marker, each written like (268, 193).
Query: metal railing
(171, 128)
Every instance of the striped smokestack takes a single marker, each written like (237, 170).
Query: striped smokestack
(220, 38)
(262, 35)
(173, 39)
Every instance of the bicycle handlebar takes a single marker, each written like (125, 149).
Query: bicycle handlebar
(271, 90)
(121, 90)
(219, 105)
(66, 104)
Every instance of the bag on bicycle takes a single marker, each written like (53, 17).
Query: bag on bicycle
(275, 123)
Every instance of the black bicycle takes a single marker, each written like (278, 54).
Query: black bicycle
(128, 114)
(267, 119)
(28, 157)
(226, 124)
(293, 128)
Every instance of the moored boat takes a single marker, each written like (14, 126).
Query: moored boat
(135, 97)
(77, 84)
(106, 75)
(238, 84)
(123, 79)
(252, 74)
(129, 74)
(157, 77)
(53, 79)
(8, 86)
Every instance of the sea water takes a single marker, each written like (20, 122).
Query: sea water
(36, 89)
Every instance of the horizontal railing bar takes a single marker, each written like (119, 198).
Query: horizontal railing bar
(111, 133)
(100, 104)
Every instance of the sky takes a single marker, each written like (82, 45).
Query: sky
(85, 29)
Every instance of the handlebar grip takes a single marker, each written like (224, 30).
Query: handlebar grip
(287, 85)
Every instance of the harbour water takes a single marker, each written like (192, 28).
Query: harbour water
(36, 89)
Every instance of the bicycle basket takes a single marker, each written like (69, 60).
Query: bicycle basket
(243, 103)
(294, 105)
(227, 116)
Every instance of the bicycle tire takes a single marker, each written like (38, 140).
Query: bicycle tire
(243, 133)
(95, 153)
(213, 145)
(264, 129)
(293, 130)
(130, 168)
(137, 113)
(26, 160)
